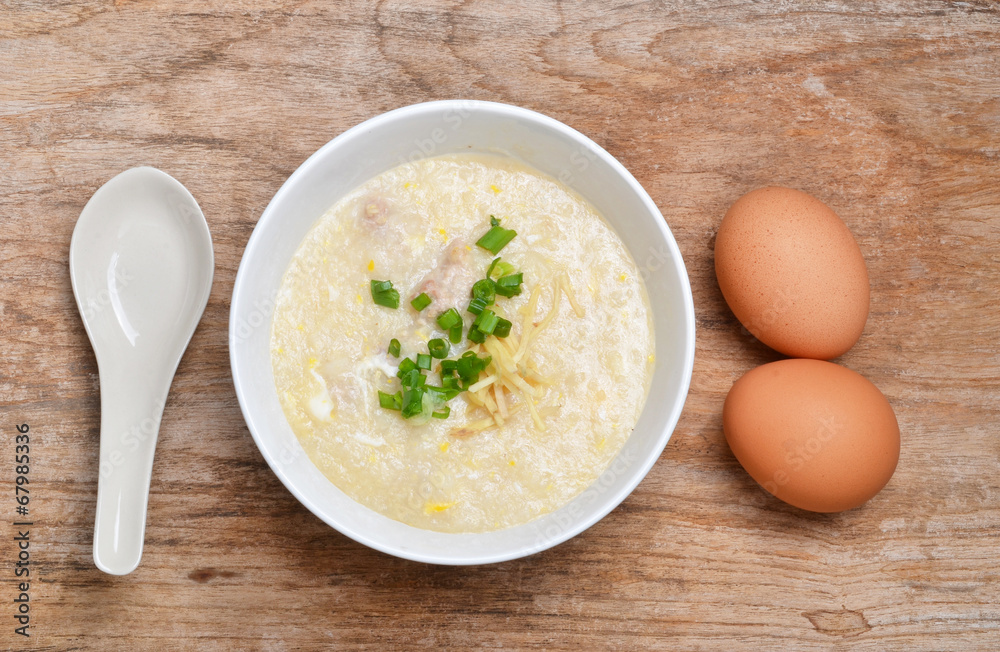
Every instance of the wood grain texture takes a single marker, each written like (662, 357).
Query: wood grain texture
(889, 112)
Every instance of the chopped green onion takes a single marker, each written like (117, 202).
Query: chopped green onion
(406, 365)
(489, 270)
(476, 306)
(417, 398)
(483, 289)
(502, 268)
(413, 402)
(383, 294)
(470, 366)
(439, 348)
(390, 401)
(503, 328)
(413, 378)
(449, 319)
(511, 280)
(496, 239)
(486, 322)
(443, 393)
(421, 301)
(510, 285)
(388, 299)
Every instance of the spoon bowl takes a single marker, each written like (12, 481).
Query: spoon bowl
(141, 264)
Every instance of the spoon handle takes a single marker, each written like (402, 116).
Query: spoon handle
(132, 402)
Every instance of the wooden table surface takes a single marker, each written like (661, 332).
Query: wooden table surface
(889, 112)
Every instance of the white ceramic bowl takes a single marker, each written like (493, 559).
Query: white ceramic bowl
(430, 129)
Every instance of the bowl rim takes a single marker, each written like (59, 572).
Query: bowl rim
(637, 473)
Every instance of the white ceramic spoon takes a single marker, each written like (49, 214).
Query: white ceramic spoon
(141, 264)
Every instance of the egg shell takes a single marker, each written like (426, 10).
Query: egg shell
(792, 273)
(814, 434)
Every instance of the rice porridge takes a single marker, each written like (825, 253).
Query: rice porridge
(524, 335)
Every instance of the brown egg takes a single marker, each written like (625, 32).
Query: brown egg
(792, 273)
(816, 435)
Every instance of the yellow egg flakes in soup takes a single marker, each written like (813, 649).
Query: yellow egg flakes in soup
(571, 378)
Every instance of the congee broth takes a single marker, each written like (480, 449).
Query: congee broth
(462, 343)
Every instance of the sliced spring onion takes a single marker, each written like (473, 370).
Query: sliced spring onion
(503, 328)
(383, 294)
(413, 379)
(418, 400)
(486, 322)
(406, 365)
(421, 301)
(510, 285)
(438, 348)
(508, 292)
(413, 402)
(442, 393)
(469, 366)
(489, 270)
(502, 268)
(496, 239)
(476, 306)
(449, 319)
(483, 289)
(390, 401)
(510, 280)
